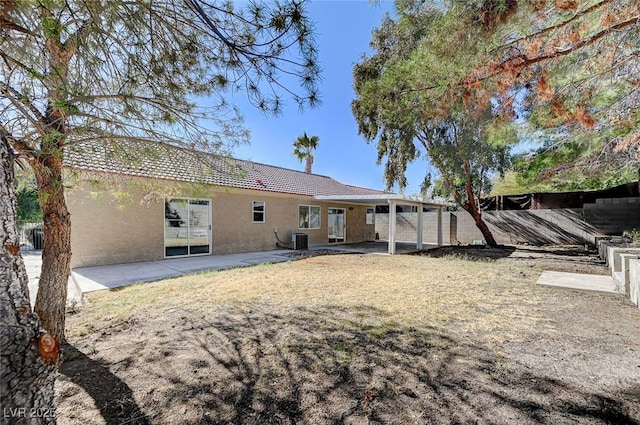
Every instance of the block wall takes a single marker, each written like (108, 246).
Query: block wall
(536, 227)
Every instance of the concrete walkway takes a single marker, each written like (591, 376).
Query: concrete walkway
(88, 279)
(33, 264)
(112, 276)
(588, 282)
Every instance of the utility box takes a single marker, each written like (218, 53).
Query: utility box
(300, 241)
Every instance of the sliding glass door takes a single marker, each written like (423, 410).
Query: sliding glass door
(187, 227)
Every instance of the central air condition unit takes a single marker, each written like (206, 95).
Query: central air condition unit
(300, 241)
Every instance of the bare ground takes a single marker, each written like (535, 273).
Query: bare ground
(358, 339)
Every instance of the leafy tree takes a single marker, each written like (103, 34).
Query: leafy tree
(554, 169)
(569, 67)
(72, 71)
(28, 356)
(303, 148)
(460, 140)
(28, 208)
(466, 156)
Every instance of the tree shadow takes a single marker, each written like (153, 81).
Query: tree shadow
(112, 396)
(334, 365)
(561, 227)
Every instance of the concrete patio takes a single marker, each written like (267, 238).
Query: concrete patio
(88, 279)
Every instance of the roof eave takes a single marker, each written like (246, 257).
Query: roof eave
(382, 198)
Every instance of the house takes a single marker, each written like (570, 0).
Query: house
(152, 201)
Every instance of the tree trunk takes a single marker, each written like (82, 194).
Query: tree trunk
(308, 164)
(56, 256)
(28, 356)
(474, 209)
(482, 226)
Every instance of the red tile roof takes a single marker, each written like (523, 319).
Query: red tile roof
(163, 161)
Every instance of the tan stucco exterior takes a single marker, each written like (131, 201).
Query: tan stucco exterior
(108, 232)
(105, 232)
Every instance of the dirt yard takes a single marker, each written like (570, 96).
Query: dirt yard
(450, 337)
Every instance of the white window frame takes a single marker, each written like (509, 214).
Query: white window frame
(210, 225)
(309, 207)
(371, 216)
(263, 212)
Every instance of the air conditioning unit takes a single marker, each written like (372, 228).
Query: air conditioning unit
(300, 241)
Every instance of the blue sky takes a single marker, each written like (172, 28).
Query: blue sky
(343, 32)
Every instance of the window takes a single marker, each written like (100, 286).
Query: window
(371, 218)
(308, 217)
(258, 211)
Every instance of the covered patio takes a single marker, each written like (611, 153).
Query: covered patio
(394, 200)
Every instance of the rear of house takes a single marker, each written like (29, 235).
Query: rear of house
(154, 201)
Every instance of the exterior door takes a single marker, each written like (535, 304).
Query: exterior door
(187, 227)
(337, 224)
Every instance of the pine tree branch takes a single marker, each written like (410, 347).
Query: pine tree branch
(26, 108)
(19, 145)
(522, 61)
(560, 24)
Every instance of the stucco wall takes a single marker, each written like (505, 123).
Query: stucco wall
(234, 231)
(106, 232)
(357, 228)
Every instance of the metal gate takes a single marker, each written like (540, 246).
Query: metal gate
(31, 235)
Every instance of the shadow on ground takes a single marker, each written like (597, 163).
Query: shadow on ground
(111, 396)
(469, 252)
(256, 365)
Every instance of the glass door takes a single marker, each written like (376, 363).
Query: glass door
(187, 227)
(337, 225)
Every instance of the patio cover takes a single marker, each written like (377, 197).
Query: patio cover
(393, 199)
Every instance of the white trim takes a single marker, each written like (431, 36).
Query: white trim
(420, 227)
(377, 199)
(392, 226)
(210, 231)
(319, 217)
(344, 229)
(440, 228)
(264, 212)
(373, 216)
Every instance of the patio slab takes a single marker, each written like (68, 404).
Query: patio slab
(96, 278)
(587, 282)
(112, 276)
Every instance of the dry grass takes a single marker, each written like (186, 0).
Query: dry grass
(352, 339)
(409, 290)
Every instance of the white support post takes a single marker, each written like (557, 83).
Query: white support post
(392, 226)
(440, 238)
(420, 224)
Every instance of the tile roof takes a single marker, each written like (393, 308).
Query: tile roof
(163, 161)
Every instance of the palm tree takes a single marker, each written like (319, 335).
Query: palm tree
(303, 147)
